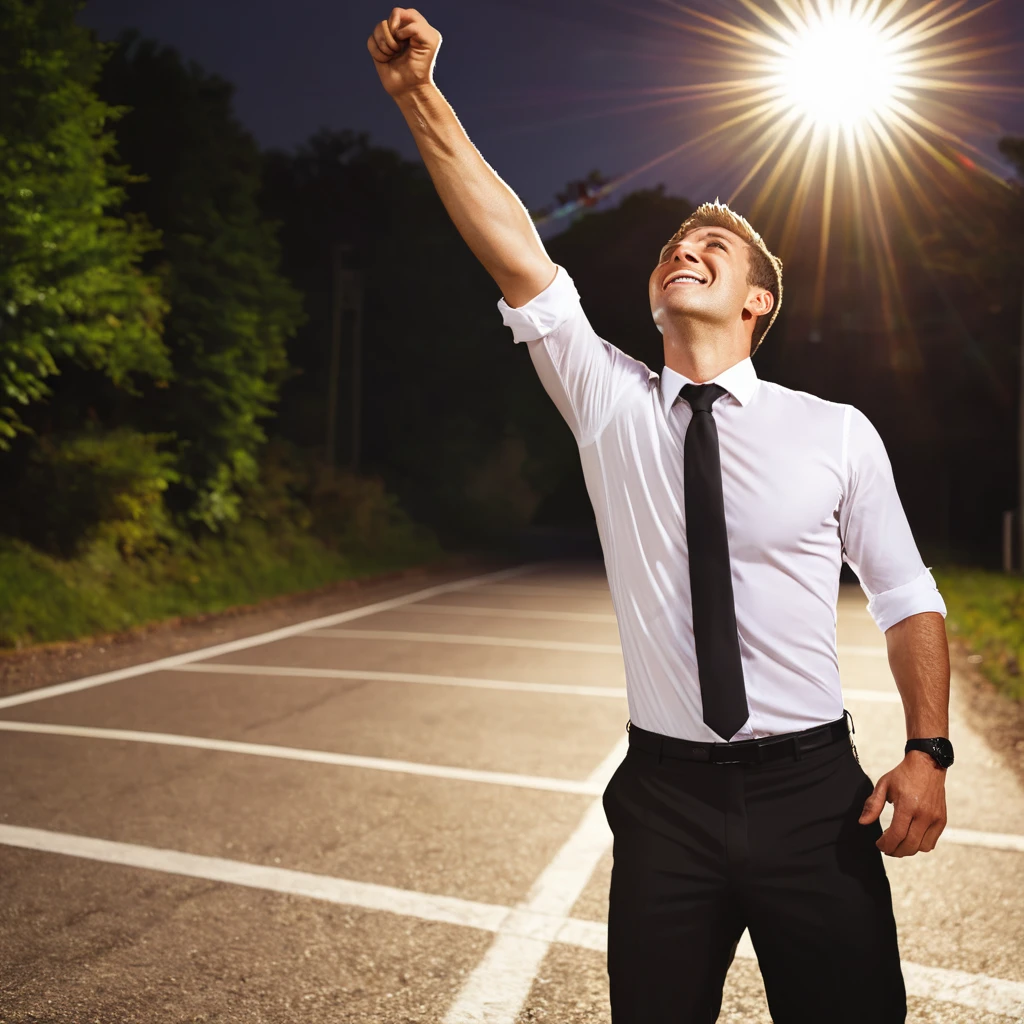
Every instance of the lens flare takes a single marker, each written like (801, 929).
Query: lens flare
(815, 103)
(839, 70)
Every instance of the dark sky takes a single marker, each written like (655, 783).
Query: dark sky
(544, 96)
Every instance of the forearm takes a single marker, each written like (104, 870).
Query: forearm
(919, 660)
(487, 213)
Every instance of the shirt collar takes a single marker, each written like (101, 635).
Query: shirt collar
(740, 380)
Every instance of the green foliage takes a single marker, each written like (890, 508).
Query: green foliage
(231, 310)
(986, 610)
(70, 283)
(92, 484)
(45, 599)
(346, 512)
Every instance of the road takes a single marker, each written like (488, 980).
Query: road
(392, 814)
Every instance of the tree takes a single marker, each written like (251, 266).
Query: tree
(71, 287)
(232, 311)
(438, 367)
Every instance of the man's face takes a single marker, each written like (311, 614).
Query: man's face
(704, 276)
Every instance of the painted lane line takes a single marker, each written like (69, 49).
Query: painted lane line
(977, 991)
(459, 638)
(497, 988)
(504, 641)
(436, 771)
(366, 895)
(203, 668)
(538, 590)
(602, 774)
(878, 696)
(592, 786)
(243, 643)
(863, 650)
(992, 840)
(513, 613)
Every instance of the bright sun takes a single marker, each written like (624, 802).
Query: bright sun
(852, 100)
(838, 70)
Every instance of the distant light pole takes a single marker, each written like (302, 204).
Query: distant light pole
(346, 296)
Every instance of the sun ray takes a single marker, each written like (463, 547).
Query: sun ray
(826, 222)
(779, 129)
(844, 128)
(798, 202)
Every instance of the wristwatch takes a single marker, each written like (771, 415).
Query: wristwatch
(938, 746)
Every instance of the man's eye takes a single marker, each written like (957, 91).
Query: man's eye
(719, 244)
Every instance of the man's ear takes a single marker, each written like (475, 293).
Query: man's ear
(760, 302)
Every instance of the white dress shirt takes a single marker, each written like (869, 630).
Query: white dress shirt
(807, 484)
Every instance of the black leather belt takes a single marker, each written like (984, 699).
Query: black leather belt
(768, 748)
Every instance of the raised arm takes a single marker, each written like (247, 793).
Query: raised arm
(487, 213)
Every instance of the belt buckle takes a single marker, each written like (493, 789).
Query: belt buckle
(727, 760)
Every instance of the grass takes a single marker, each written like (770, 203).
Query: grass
(985, 609)
(45, 599)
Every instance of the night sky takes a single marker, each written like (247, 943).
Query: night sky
(545, 96)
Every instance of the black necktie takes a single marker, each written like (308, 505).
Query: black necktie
(714, 613)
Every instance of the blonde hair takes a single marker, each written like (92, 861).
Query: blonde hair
(765, 268)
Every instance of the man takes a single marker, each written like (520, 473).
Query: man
(726, 506)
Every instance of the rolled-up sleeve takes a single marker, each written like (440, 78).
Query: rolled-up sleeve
(877, 540)
(585, 376)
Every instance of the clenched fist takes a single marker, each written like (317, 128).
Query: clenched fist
(404, 48)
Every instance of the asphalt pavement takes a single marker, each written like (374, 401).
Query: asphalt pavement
(392, 814)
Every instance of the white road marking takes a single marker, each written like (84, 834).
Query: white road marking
(619, 692)
(437, 771)
(592, 786)
(513, 613)
(504, 641)
(879, 696)
(993, 840)
(540, 590)
(495, 991)
(447, 909)
(459, 638)
(536, 922)
(243, 643)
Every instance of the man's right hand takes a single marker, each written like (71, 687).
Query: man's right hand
(404, 48)
(487, 213)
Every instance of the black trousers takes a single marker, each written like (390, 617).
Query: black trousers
(702, 850)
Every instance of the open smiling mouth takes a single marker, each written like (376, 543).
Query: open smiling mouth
(686, 277)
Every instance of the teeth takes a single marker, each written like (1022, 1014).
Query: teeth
(687, 280)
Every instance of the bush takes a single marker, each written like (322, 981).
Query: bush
(986, 610)
(95, 485)
(348, 513)
(357, 515)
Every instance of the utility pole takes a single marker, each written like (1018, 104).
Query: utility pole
(346, 296)
(1020, 443)
(355, 291)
